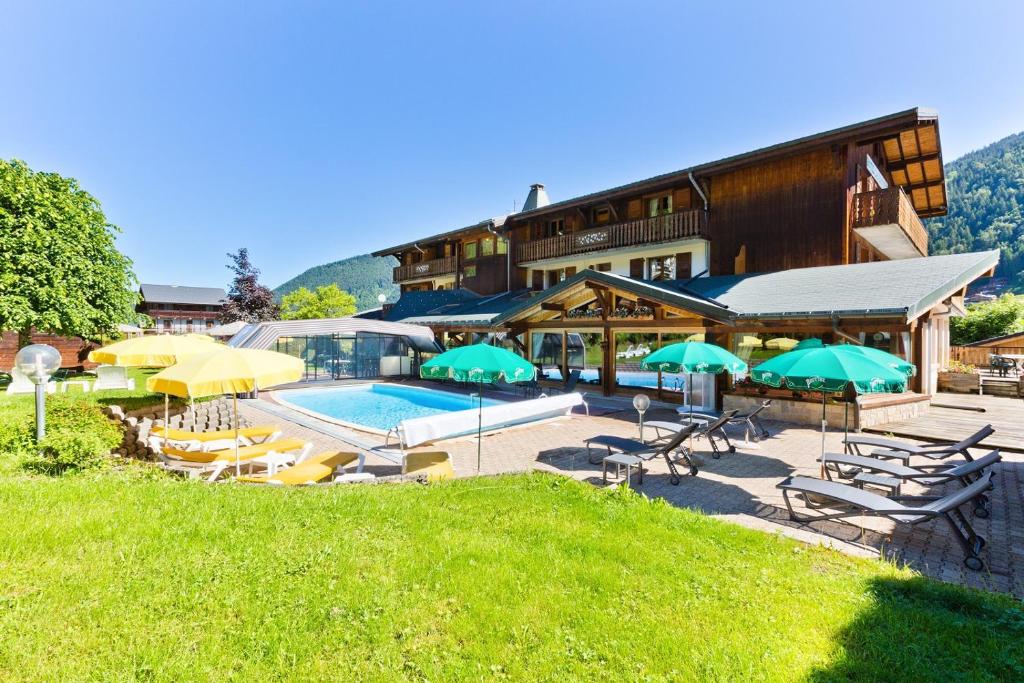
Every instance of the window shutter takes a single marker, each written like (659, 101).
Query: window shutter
(570, 271)
(636, 268)
(684, 265)
(681, 199)
(634, 209)
(538, 280)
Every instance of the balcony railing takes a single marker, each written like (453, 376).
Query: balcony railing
(891, 206)
(425, 269)
(668, 228)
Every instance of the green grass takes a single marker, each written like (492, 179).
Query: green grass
(527, 577)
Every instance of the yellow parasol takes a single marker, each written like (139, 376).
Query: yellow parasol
(226, 370)
(781, 343)
(157, 351)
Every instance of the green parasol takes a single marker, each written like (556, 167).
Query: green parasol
(481, 364)
(829, 369)
(879, 356)
(691, 357)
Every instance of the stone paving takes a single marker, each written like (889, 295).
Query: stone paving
(739, 487)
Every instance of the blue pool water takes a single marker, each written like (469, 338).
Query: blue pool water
(379, 406)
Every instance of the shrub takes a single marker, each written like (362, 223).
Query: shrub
(959, 366)
(78, 437)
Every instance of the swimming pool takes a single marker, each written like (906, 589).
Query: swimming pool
(377, 407)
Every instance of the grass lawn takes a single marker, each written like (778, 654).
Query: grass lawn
(126, 577)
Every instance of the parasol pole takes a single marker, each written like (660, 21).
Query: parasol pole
(166, 418)
(479, 422)
(238, 466)
(192, 409)
(824, 422)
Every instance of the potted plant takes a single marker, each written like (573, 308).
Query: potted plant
(959, 377)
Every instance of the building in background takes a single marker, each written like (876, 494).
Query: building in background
(178, 309)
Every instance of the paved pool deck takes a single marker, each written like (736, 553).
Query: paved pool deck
(739, 487)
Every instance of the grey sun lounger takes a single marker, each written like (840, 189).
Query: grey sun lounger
(899, 450)
(846, 466)
(849, 501)
(644, 451)
(712, 428)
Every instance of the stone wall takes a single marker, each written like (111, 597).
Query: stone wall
(209, 416)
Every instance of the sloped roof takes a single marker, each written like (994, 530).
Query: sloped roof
(998, 341)
(478, 311)
(264, 335)
(902, 287)
(417, 303)
(176, 294)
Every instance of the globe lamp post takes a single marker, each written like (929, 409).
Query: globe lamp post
(38, 362)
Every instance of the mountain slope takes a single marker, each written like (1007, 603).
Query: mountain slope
(364, 277)
(986, 194)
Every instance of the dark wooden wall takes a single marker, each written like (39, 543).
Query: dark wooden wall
(788, 214)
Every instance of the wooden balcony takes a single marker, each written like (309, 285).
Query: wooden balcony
(886, 219)
(425, 269)
(669, 228)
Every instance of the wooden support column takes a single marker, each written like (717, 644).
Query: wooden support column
(609, 361)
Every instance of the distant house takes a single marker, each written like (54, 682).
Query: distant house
(178, 309)
(1014, 340)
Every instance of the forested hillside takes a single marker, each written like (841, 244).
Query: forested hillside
(364, 277)
(985, 197)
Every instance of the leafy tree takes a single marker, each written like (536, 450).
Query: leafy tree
(60, 270)
(1005, 315)
(248, 300)
(327, 301)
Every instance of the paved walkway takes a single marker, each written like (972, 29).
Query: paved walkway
(739, 487)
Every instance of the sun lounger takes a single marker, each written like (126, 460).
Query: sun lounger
(435, 465)
(644, 451)
(899, 450)
(707, 426)
(848, 466)
(246, 435)
(214, 463)
(21, 384)
(310, 471)
(752, 422)
(112, 377)
(849, 501)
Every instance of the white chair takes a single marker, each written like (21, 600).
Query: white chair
(628, 353)
(20, 384)
(112, 377)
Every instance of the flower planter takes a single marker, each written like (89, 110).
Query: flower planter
(959, 382)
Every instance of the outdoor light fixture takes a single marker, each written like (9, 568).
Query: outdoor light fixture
(641, 402)
(38, 362)
(382, 298)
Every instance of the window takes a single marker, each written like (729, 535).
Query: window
(469, 271)
(601, 216)
(601, 267)
(662, 267)
(487, 246)
(555, 276)
(555, 227)
(469, 250)
(502, 245)
(659, 206)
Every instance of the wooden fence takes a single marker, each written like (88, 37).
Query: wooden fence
(979, 355)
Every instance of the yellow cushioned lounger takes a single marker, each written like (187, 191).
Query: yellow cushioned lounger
(260, 432)
(244, 452)
(313, 469)
(437, 465)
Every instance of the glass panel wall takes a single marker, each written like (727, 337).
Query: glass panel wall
(363, 356)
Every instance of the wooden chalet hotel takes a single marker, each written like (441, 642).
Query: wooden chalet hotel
(816, 237)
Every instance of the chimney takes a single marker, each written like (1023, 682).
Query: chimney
(537, 198)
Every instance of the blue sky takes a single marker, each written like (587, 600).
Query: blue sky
(310, 132)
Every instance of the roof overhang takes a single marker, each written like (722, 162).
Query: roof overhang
(484, 225)
(893, 128)
(593, 280)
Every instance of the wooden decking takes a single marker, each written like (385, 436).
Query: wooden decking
(954, 416)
